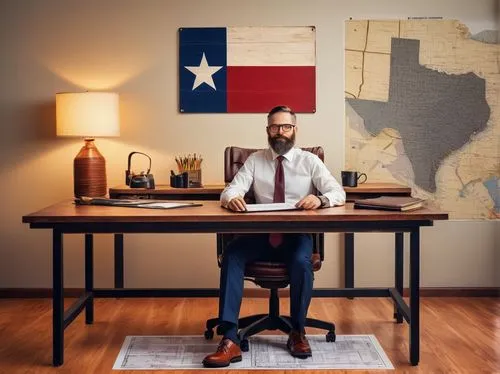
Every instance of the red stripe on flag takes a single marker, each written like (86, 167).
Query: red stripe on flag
(257, 89)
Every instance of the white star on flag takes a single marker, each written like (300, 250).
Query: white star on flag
(203, 73)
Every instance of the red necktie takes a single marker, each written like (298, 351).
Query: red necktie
(275, 239)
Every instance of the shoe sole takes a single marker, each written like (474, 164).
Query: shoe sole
(209, 364)
(301, 355)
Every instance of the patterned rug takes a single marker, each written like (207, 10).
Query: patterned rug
(265, 352)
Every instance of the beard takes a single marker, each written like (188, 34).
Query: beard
(281, 144)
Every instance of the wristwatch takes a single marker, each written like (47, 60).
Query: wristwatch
(325, 203)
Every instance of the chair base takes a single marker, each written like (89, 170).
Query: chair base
(255, 324)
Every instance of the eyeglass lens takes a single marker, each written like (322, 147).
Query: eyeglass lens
(286, 127)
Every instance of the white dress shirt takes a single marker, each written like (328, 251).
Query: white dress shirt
(303, 171)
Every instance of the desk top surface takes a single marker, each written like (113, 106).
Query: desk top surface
(216, 189)
(211, 211)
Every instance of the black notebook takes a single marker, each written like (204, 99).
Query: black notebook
(141, 203)
(399, 203)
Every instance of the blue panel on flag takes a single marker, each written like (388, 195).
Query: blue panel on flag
(202, 70)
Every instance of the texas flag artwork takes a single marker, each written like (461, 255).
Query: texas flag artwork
(247, 69)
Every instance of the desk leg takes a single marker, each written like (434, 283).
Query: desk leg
(414, 296)
(118, 260)
(349, 260)
(57, 299)
(89, 277)
(398, 271)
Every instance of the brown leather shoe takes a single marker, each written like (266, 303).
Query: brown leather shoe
(227, 352)
(298, 345)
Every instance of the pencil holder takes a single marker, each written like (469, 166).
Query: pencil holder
(192, 166)
(194, 178)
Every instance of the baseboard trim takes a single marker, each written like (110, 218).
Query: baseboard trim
(424, 292)
(38, 293)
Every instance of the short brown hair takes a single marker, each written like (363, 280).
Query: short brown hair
(284, 109)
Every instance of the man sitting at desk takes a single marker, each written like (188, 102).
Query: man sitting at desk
(281, 173)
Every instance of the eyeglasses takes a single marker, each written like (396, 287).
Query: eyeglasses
(275, 128)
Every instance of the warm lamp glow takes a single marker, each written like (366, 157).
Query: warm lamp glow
(87, 114)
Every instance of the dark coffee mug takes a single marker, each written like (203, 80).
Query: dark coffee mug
(351, 178)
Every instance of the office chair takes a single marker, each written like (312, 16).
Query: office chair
(269, 275)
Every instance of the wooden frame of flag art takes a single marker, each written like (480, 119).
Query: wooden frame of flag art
(247, 69)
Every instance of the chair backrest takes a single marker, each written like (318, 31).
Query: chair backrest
(234, 158)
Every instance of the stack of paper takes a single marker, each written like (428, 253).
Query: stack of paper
(270, 207)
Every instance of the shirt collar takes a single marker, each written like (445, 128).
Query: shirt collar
(288, 156)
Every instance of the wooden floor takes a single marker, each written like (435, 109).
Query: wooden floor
(458, 335)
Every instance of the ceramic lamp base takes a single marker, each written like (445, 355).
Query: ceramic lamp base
(89, 171)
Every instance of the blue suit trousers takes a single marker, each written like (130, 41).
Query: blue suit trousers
(295, 252)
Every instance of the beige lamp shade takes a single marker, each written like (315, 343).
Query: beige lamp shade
(87, 114)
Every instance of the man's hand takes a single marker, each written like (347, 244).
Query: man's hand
(237, 204)
(309, 202)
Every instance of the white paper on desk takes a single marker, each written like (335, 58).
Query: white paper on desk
(270, 207)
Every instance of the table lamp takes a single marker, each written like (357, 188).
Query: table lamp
(88, 115)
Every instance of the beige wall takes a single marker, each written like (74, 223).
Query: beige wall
(131, 47)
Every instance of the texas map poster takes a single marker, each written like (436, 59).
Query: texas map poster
(422, 109)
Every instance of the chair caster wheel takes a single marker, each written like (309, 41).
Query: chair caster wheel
(244, 345)
(330, 336)
(209, 334)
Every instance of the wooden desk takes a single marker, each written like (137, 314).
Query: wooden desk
(366, 191)
(67, 218)
(165, 192)
(212, 192)
(369, 190)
